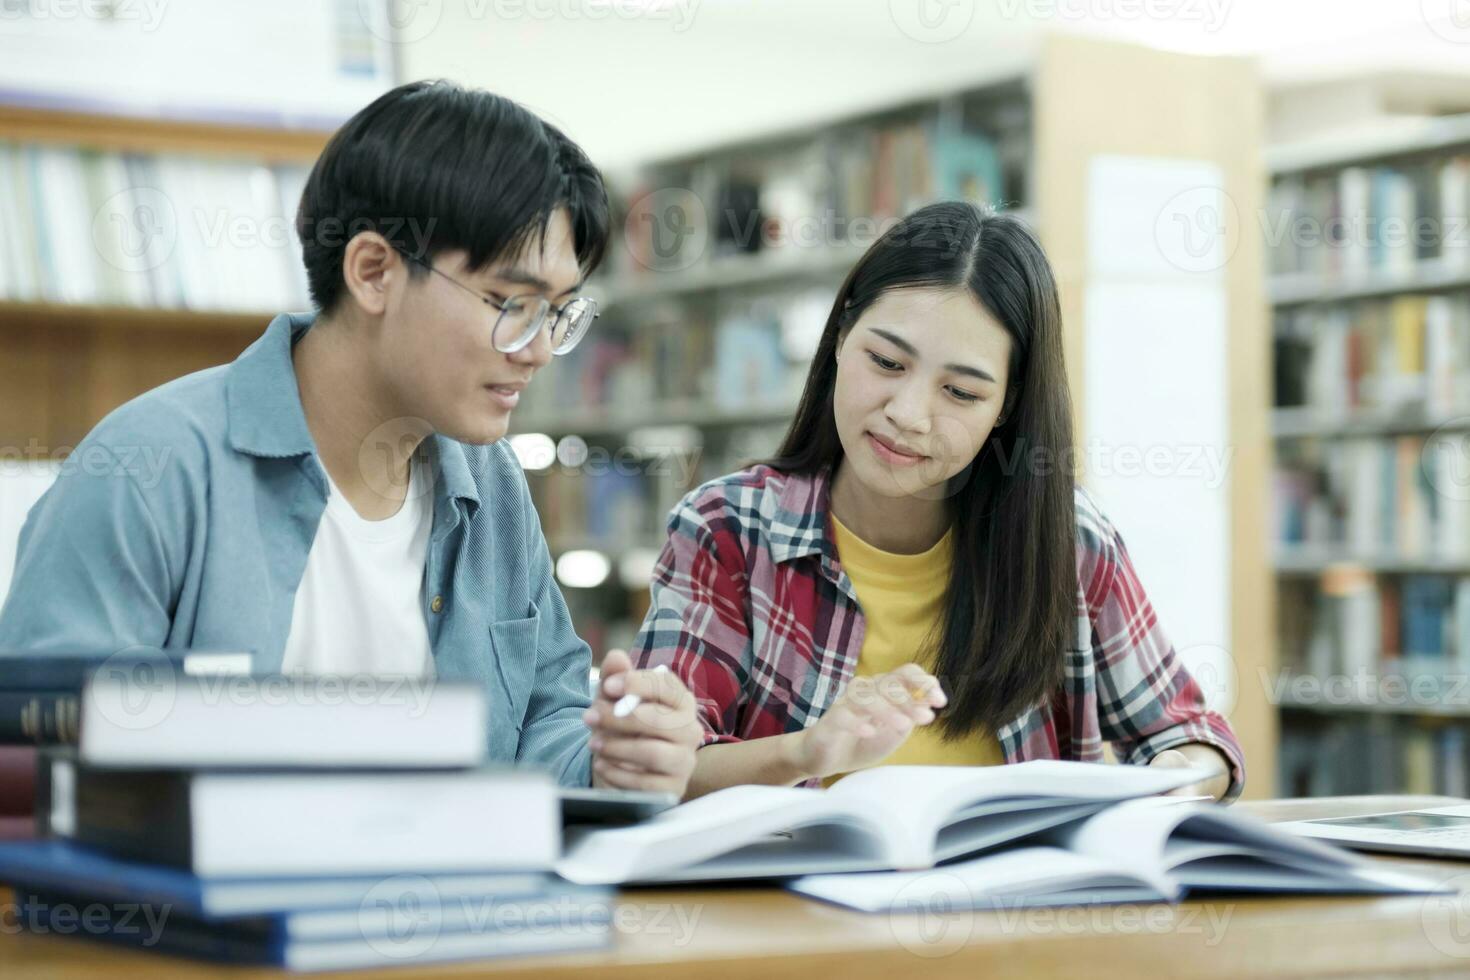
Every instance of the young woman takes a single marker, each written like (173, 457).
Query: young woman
(916, 577)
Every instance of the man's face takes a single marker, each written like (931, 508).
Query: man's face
(436, 347)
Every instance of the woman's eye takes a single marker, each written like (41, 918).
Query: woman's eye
(964, 396)
(883, 362)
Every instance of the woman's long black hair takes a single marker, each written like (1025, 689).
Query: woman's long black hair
(1011, 600)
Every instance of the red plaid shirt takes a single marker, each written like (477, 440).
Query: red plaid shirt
(752, 610)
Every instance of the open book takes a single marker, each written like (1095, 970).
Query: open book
(1133, 851)
(878, 819)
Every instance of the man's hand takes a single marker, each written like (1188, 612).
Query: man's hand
(653, 747)
(872, 718)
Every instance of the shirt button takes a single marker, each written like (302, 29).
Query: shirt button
(438, 604)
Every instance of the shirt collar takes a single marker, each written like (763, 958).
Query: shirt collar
(266, 418)
(800, 526)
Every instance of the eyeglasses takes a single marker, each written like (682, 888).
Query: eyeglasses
(521, 319)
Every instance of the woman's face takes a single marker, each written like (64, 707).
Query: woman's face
(921, 378)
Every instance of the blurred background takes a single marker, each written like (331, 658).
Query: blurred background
(1257, 211)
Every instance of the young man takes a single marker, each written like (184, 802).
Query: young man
(339, 499)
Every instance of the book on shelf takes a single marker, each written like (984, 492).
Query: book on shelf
(1354, 754)
(748, 354)
(889, 817)
(1409, 352)
(1146, 850)
(1401, 496)
(1357, 625)
(840, 186)
(1359, 220)
(149, 230)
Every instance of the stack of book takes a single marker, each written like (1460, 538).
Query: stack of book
(310, 823)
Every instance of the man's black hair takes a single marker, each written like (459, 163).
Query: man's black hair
(434, 167)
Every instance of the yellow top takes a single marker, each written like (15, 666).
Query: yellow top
(902, 597)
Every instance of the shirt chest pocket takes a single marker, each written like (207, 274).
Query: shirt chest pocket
(513, 647)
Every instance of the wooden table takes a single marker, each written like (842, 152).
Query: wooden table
(766, 934)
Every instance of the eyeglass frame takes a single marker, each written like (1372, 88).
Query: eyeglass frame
(499, 307)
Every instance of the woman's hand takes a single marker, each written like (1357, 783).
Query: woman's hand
(1196, 754)
(872, 717)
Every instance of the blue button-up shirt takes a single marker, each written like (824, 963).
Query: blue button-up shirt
(184, 520)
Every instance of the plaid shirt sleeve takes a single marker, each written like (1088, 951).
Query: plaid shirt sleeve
(696, 624)
(1147, 700)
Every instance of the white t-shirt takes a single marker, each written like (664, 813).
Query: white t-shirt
(360, 606)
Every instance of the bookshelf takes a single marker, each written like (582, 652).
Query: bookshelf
(65, 363)
(654, 392)
(1371, 522)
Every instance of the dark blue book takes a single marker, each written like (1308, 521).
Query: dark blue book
(67, 866)
(406, 922)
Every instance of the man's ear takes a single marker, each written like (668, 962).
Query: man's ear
(369, 268)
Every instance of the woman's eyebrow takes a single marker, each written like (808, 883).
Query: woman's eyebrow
(913, 351)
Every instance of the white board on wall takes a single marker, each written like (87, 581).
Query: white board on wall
(1156, 449)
